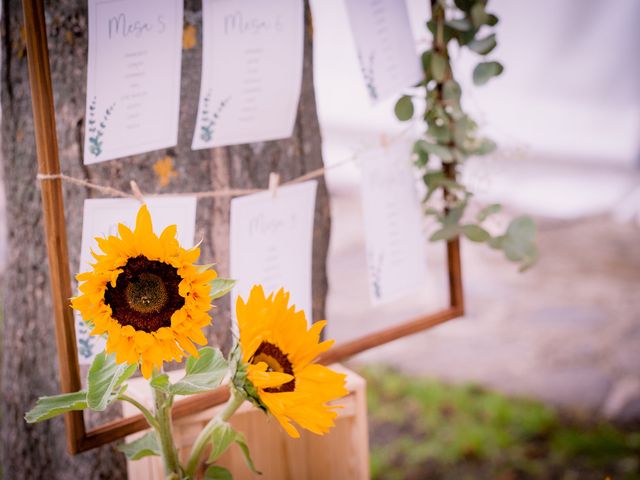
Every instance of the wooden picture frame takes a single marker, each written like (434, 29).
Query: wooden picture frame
(80, 439)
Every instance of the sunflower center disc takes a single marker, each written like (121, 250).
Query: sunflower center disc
(146, 294)
(277, 361)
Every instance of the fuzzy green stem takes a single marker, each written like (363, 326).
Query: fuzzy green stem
(147, 414)
(235, 400)
(163, 402)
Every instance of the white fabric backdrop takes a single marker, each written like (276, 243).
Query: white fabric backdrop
(571, 87)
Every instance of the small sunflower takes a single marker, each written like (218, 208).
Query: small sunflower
(145, 293)
(280, 351)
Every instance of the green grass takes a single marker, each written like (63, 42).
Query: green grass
(425, 429)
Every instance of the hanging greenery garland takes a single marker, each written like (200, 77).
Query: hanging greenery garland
(452, 136)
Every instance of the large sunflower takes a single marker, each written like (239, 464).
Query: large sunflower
(147, 295)
(280, 351)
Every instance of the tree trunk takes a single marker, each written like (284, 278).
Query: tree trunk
(29, 368)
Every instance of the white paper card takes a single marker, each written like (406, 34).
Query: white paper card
(271, 243)
(393, 225)
(385, 45)
(133, 77)
(101, 218)
(251, 72)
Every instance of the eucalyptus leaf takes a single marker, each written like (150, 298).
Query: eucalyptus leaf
(518, 243)
(464, 5)
(487, 211)
(491, 20)
(478, 14)
(441, 134)
(496, 242)
(438, 67)
(216, 472)
(475, 233)
(426, 64)
(436, 179)
(455, 213)
(447, 232)
(440, 151)
(530, 259)
(202, 374)
(145, 446)
(448, 32)
(464, 38)
(483, 45)
(460, 24)
(435, 213)
(422, 157)
(221, 286)
(484, 147)
(105, 376)
(522, 228)
(451, 90)
(404, 108)
(485, 71)
(49, 407)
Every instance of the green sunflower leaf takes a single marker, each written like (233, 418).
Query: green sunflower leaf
(222, 436)
(162, 383)
(145, 446)
(203, 373)
(242, 443)
(221, 286)
(105, 376)
(216, 472)
(49, 407)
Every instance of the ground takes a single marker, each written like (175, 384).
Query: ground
(425, 429)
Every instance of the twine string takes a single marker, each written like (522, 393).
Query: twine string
(222, 193)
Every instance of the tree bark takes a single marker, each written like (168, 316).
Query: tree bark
(29, 368)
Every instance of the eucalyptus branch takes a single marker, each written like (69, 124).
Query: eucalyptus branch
(451, 135)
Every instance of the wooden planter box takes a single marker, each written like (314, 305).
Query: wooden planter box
(341, 454)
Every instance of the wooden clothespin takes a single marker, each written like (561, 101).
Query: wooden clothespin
(136, 192)
(384, 141)
(274, 182)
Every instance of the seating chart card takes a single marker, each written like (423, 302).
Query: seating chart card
(251, 72)
(385, 45)
(271, 243)
(101, 218)
(395, 240)
(133, 77)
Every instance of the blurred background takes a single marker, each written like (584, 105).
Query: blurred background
(566, 116)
